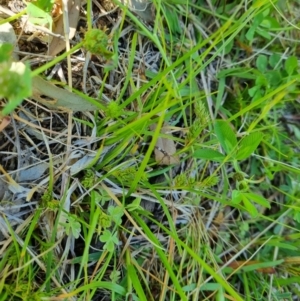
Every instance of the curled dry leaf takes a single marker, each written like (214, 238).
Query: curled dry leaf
(58, 43)
(4, 123)
(165, 148)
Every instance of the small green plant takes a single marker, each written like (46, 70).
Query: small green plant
(261, 25)
(89, 179)
(15, 80)
(135, 205)
(44, 5)
(127, 175)
(107, 225)
(156, 75)
(113, 110)
(96, 41)
(272, 72)
(116, 214)
(48, 202)
(236, 151)
(110, 239)
(72, 226)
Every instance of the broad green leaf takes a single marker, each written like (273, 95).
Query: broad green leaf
(274, 77)
(209, 154)
(6, 51)
(278, 244)
(210, 286)
(274, 60)
(291, 64)
(188, 288)
(172, 20)
(236, 197)
(258, 199)
(249, 206)
(45, 5)
(109, 239)
(38, 16)
(225, 135)
(270, 23)
(250, 33)
(72, 227)
(262, 265)
(248, 145)
(253, 90)
(135, 205)
(106, 236)
(263, 33)
(296, 217)
(262, 63)
(227, 48)
(105, 285)
(76, 228)
(116, 214)
(287, 281)
(261, 80)
(259, 18)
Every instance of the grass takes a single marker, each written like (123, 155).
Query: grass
(182, 184)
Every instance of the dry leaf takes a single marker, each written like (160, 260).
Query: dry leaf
(4, 122)
(165, 148)
(58, 44)
(33, 173)
(61, 98)
(3, 189)
(238, 264)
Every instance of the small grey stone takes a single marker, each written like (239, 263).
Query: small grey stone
(142, 8)
(7, 35)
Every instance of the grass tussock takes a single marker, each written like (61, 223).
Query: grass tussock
(153, 155)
